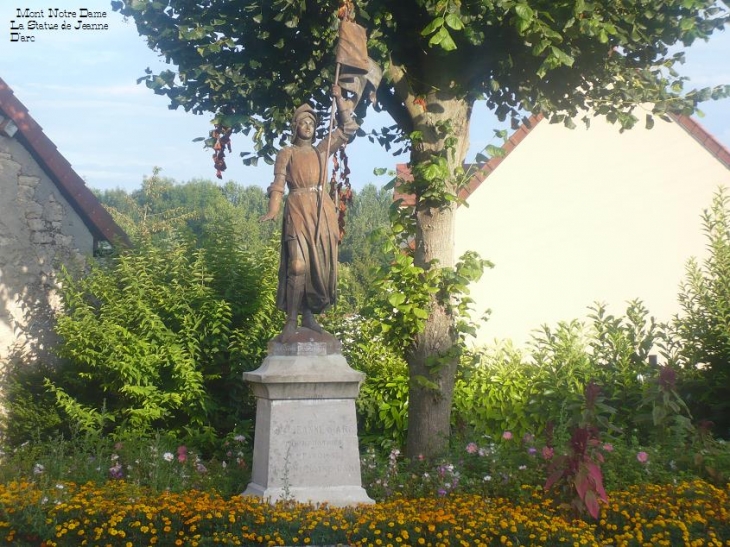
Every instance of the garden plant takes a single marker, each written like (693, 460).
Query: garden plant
(580, 438)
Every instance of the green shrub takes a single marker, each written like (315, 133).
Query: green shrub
(382, 406)
(157, 339)
(703, 327)
(505, 388)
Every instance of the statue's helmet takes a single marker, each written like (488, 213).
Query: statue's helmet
(304, 110)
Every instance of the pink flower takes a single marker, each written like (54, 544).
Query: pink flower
(547, 452)
(182, 453)
(507, 435)
(608, 447)
(643, 457)
(472, 448)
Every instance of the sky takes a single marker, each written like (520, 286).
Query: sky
(80, 86)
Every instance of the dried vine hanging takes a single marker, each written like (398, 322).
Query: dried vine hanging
(222, 142)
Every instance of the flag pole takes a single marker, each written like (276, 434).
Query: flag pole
(344, 13)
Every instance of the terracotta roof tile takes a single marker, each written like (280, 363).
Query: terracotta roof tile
(71, 185)
(711, 144)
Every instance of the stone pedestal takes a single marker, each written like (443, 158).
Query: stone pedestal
(306, 446)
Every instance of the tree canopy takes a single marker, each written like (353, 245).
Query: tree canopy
(251, 62)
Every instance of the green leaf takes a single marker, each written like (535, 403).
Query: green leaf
(563, 57)
(420, 313)
(396, 299)
(523, 25)
(448, 43)
(495, 151)
(524, 12)
(432, 26)
(442, 38)
(453, 21)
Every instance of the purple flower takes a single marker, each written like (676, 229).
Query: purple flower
(116, 471)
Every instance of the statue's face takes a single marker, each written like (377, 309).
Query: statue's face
(305, 128)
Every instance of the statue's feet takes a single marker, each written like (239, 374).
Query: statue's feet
(290, 331)
(309, 322)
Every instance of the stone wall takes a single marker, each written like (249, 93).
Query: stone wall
(39, 231)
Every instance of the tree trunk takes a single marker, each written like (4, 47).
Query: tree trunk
(431, 359)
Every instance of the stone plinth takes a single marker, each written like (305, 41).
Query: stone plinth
(306, 446)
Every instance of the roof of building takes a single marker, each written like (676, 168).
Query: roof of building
(73, 188)
(690, 125)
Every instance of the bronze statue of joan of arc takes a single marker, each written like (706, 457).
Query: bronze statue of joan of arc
(310, 232)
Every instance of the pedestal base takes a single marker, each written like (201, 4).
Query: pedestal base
(336, 496)
(306, 446)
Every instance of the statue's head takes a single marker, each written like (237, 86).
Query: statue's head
(304, 123)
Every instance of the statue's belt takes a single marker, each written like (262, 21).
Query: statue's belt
(305, 189)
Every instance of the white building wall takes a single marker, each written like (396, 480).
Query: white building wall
(39, 230)
(571, 217)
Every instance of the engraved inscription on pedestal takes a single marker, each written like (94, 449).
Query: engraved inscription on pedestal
(312, 445)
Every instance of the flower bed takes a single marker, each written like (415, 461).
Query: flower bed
(121, 513)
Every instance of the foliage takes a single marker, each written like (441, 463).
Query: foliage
(505, 388)
(162, 205)
(159, 462)
(580, 468)
(403, 291)
(159, 337)
(30, 410)
(382, 405)
(252, 63)
(360, 250)
(142, 215)
(702, 330)
(670, 418)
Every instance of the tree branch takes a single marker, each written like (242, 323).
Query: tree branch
(395, 108)
(403, 93)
